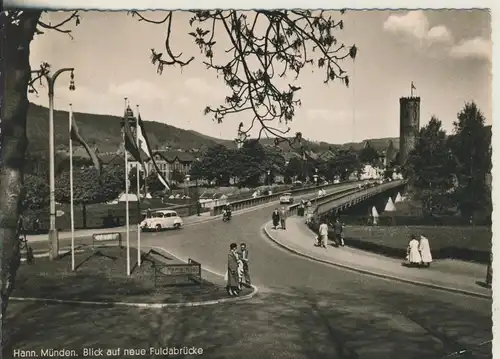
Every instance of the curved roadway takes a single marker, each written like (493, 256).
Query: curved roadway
(305, 309)
(310, 310)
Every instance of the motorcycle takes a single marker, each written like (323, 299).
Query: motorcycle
(226, 216)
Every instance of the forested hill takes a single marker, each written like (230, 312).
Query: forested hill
(104, 132)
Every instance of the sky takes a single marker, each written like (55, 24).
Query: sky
(446, 53)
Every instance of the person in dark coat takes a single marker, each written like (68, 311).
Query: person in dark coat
(232, 271)
(276, 218)
(148, 213)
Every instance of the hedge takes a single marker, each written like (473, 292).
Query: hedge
(463, 243)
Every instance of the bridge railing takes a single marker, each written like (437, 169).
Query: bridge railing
(293, 209)
(251, 202)
(359, 195)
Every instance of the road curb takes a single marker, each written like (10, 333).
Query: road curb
(209, 219)
(248, 296)
(374, 274)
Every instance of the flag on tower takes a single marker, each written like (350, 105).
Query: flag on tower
(413, 86)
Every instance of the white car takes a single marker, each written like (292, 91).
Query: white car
(286, 198)
(162, 220)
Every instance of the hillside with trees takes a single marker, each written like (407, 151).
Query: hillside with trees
(104, 132)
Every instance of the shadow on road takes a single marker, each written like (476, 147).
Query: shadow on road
(279, 323)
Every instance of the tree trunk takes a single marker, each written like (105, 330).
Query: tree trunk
(13, 142)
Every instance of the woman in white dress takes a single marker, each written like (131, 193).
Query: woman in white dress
(425, 251)
(413, 254)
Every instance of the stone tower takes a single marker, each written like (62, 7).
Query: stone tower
(409, 125)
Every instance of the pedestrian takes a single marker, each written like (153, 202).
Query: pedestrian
(232, 282)
(323, 233)
(301, 209)
(489, 271)
(339, 232)
(283, 215)
(425, 251)
(148, 213)
(244, 258)
(276, 218)
(36, 225)
(198, 207)
(413, 254)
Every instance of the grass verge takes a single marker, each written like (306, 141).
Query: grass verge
(100, 275)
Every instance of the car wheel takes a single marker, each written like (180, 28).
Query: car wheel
(177, 226)
(158, 227)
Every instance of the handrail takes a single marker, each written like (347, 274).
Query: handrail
(357, 196)
(245, 203)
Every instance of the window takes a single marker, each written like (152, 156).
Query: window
(168, 215)
(157, 215)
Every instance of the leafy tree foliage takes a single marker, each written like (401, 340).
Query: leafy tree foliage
(89, 187)
(294, 170)
(430, 166)
(345, 163)
(154, 184)
(369, 155)
(216, 164)
(471, 147)
(37, 192)
(177, 176)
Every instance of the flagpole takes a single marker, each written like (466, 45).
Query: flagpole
(138, 191)
(127, 219)
(71, 195)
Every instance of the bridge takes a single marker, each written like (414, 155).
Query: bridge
(339, 201)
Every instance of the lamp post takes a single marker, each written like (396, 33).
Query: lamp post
(268, 177)
(51, 79)
(187, 179)
(315, 176)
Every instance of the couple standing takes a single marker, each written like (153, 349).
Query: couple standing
(279, 218)
(419, 252)
(237, 269)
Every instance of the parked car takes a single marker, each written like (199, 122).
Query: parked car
(286, 198)
(160, 220)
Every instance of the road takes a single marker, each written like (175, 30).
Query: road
(304, 310)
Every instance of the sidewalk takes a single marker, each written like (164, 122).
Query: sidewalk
(451, 275)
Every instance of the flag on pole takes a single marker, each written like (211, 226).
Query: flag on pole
(74, 135)
(130, 144)
(130, 147)
(413, 86)
(143, 139)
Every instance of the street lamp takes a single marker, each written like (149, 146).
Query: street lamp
(316, 176)
(187, 179)
(51, 79)
(268, 177)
